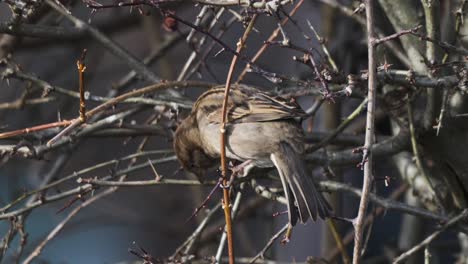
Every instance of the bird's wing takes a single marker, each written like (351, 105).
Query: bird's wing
(248, 105)
(263, 108)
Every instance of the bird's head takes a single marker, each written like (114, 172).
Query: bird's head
(188, 149)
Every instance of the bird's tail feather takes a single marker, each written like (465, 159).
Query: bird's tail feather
(303, 198)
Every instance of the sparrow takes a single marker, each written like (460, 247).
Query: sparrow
(262, 130)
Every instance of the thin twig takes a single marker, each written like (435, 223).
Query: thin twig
(270, 242)
(20, 102)
(28, 130)
(449, 48)
(396, 35)
(418, 157)
(340, 128)
(272, 37)
(339, 241)
(431, 238)
(144, 183)
(324, 47)
(59, 227)
(190, 241)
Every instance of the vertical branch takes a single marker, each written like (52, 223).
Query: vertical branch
(81, 69)
(235, 209)
(369, 138)
(226, 203)
(431, 9)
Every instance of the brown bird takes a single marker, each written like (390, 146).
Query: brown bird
(263, 130)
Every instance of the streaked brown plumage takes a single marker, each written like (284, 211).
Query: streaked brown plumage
(263, 129)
